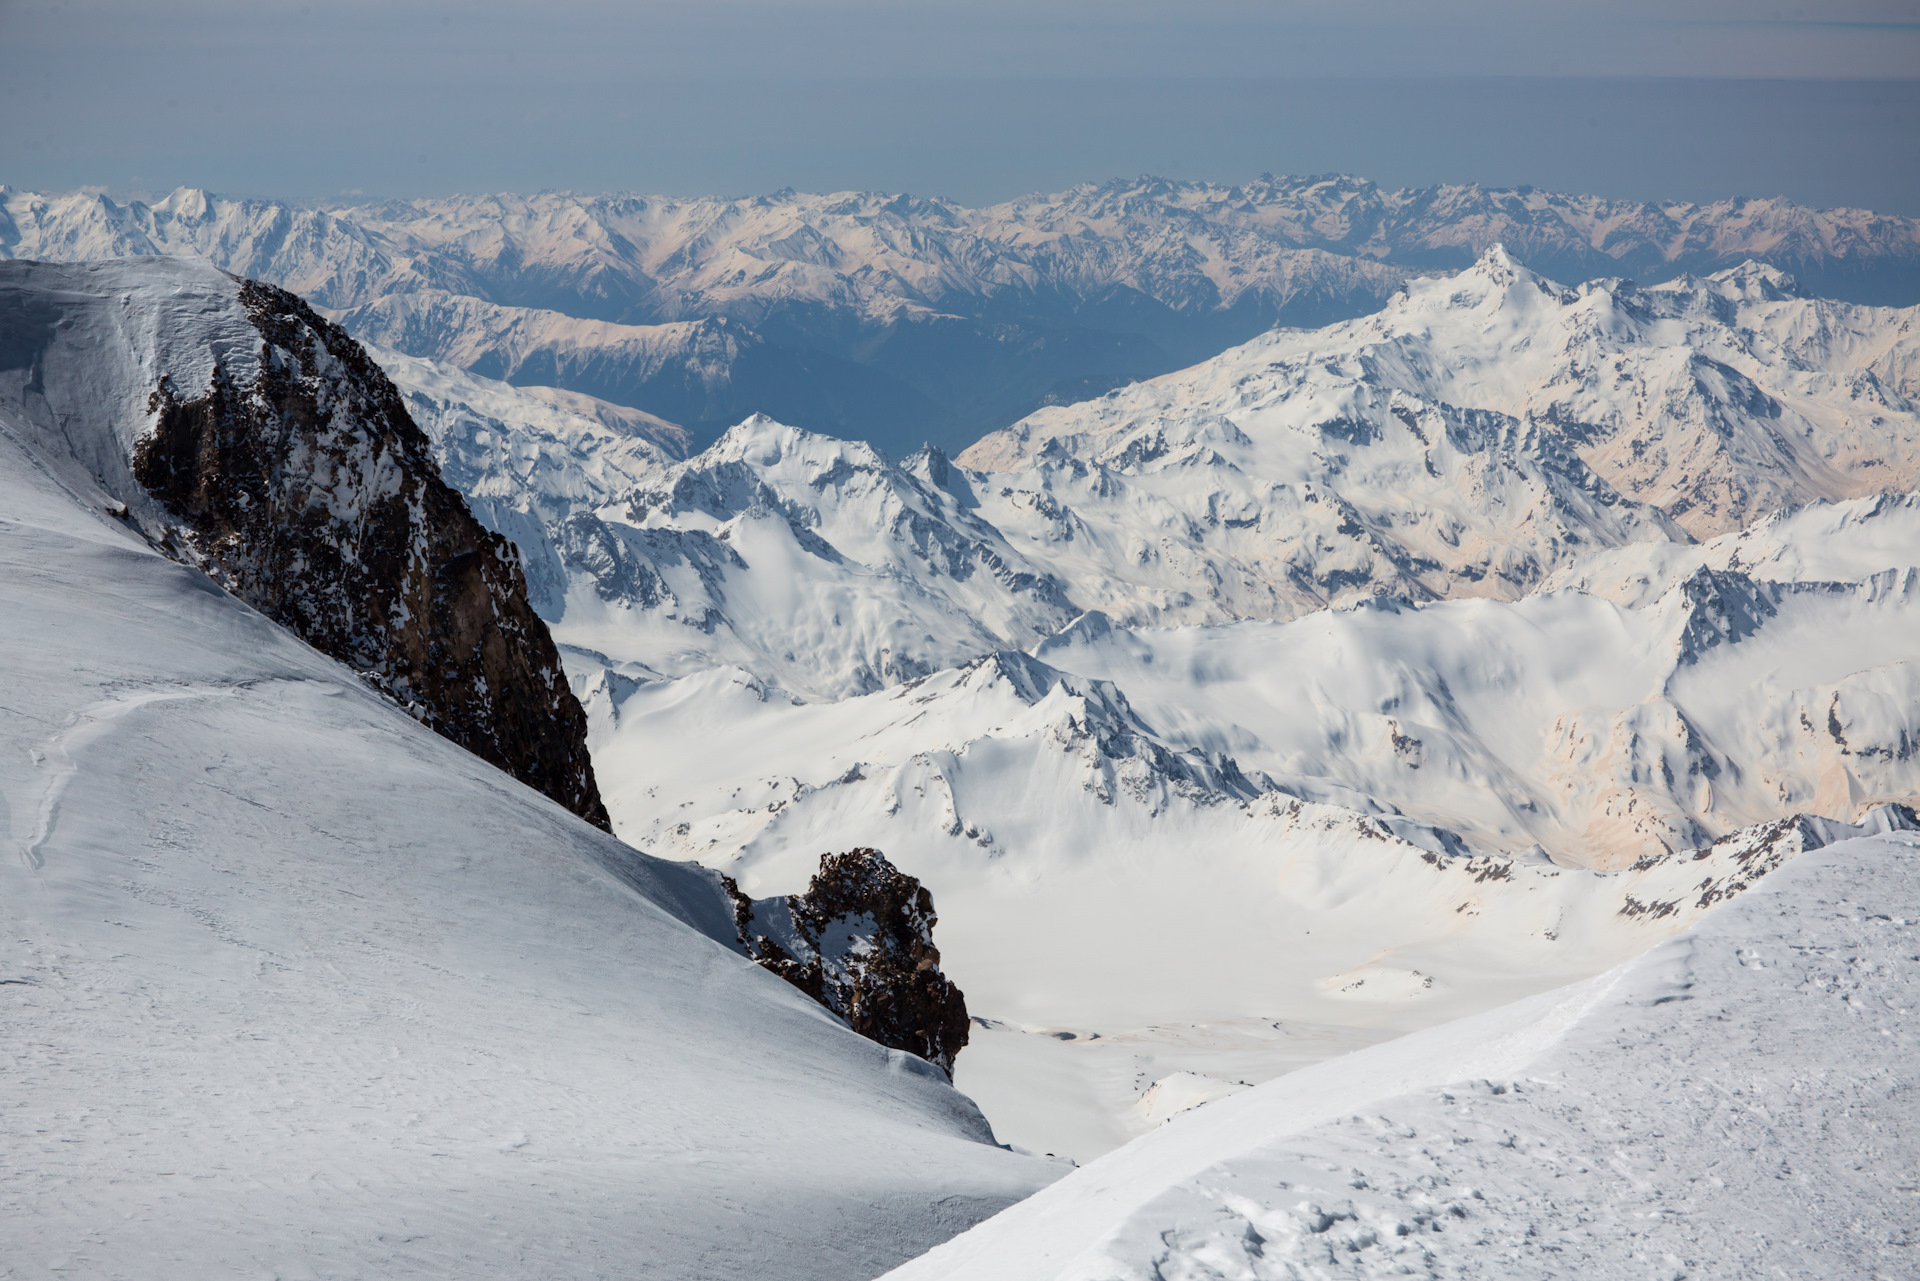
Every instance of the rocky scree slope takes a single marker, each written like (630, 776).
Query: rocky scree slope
(274, 454)
(909, 306)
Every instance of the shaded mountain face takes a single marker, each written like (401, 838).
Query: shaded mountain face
(899, 320)
(270, 451)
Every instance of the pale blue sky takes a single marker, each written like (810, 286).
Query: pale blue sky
(1689, 99)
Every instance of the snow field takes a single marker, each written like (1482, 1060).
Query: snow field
(1735, 1102)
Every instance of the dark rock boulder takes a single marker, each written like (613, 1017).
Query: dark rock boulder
(860, 942)
(309, 492)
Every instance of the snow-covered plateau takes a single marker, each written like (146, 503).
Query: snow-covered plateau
(292, 986)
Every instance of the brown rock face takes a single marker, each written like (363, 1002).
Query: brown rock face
(860, 942)
(311, 495)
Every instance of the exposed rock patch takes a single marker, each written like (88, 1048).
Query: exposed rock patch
(309, 493)
(860, 942)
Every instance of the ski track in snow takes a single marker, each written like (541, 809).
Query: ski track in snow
(57, 754)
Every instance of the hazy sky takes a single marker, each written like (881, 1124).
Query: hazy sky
(324, 100)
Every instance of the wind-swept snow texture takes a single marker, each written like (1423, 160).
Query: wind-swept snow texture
(899, 319)
(1739, 1102)
(291, 986)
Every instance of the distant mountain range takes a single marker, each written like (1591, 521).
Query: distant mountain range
(896, 319)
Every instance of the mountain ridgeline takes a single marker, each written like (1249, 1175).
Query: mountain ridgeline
(897, 319)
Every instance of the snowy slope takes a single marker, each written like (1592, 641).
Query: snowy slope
(1598, 732)
(818, 563)
(294, 986)
(1820, 542)
(1735, 1103)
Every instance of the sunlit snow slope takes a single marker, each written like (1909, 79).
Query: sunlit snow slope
(1738, 1102)
(289, 985)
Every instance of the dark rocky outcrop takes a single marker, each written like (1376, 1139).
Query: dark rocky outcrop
(309, 493)
(860, 942)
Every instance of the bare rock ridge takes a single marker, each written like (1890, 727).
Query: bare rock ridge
(860, 942)
(309, 492)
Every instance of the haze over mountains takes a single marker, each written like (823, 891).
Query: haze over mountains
(898, 319)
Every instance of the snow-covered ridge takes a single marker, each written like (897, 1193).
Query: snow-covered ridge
(1478, 437)
(646, 259)
(1715, 401)
(243, 434)
(1640, 1123)
(817, 563)
(853, 309)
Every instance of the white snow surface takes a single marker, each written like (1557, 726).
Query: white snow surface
(1737, 1102)
(291, 986)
